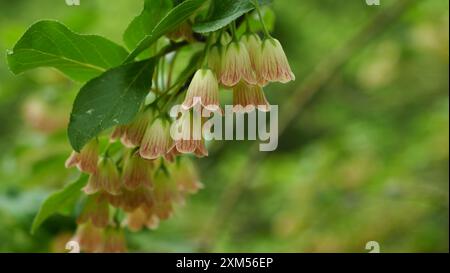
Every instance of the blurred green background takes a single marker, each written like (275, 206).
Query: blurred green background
(366, 158)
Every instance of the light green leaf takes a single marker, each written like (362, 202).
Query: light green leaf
(111, 99)
(224, 12)
(51, 44)
(59, 201)
(143, 24)
(175, 17)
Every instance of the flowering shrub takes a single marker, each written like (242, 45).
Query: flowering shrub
(134, 172)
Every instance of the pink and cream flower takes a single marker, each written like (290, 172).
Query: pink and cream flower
(133, 133)
(140, 218)
(95, 210)
(186, 177)
(248, 97)
(187, 138)
(114, 241)
(203, 90)
(137, 172)
(156, 141)
(86, 160)
(89, 237)
(131, 200)
(274, 65)
(106, 178)
(236, 65)
(254, 47)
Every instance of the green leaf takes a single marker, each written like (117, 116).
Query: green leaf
(112, 99)
(51, 44)
(59, 201)
(143, 24)
(175, 17)
(223, 13)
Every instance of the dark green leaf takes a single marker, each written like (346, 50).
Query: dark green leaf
(113, 98)
(175, 17)
(143, 24)
(51, 44)
(59, 201)
(223, 13)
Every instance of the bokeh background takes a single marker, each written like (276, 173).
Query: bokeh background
(364, 156)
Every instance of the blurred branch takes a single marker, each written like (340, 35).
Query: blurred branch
(317, 79)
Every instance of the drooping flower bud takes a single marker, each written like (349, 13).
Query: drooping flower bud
(203, 90)
(86, 160)
(248, 97)
(137, 172)
(156, 141)
(136, 220)
(254, 47)
(114, 241)
(89, 238)
(274, 64)
(190, 139)
(165, 195)
(95, 210)
(215, 55)
(117, 133)
(140, 218)
(131, 200)
(134, 132)
(253, 44)
(186, 176)
(106, 178)
(236, 65)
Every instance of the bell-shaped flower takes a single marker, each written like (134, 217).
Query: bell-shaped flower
(117, 133)
(106, 178)
(89, 238)
(134, 132)
(156, 141)
(86, 160)
(95, 210)
(248, 97)
(236, 65)
(203, 90)
(165, 195)
(131, 200)
(274, 64)
(254, 47)
(187, 136)
(114, 241)
(140, 218)
(137, 172)
(186, 176)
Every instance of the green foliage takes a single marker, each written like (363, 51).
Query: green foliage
(223, 13)
(174, 18)
(112, 99)
(143, 24)
(59, 201)
(50, 43)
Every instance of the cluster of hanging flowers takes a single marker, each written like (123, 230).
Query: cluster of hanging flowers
(145, 184)
(139, 184)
